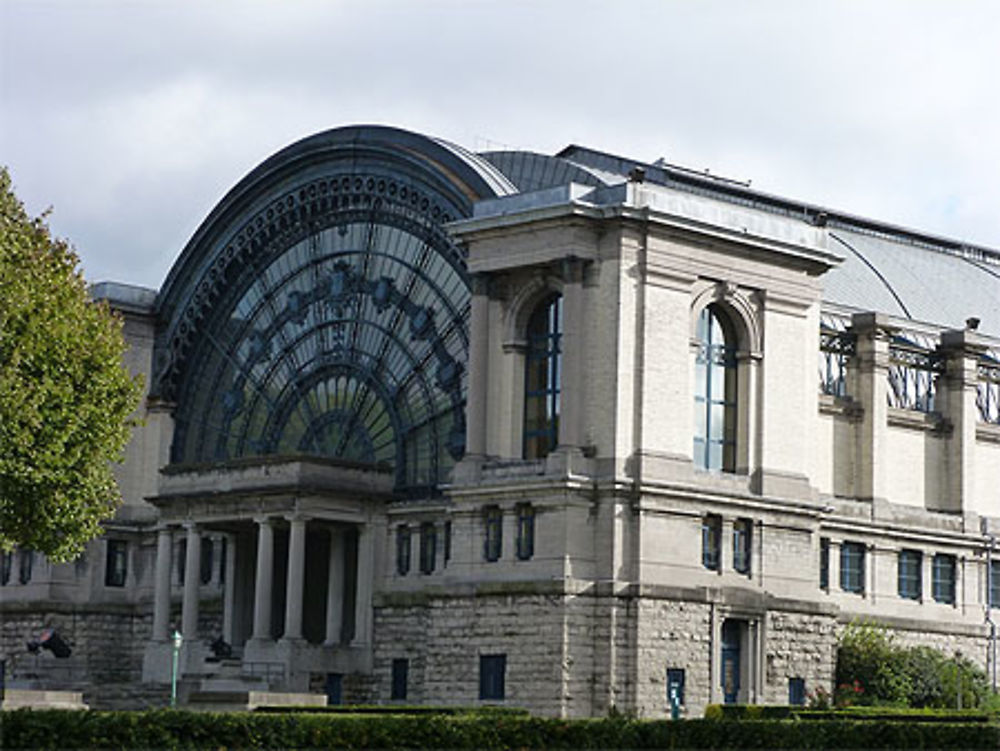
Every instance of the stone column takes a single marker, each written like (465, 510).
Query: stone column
(335, 589)
(479, 331)
(363, 598)
(957, 397)
(573, 344)
(229, 591)
(161, 601)
(216, 579)
(872, 362)
(265, 575)
(192, 578)
(294, 587)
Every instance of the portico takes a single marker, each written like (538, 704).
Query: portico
(297, 593)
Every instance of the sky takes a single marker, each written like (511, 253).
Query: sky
(130, 120)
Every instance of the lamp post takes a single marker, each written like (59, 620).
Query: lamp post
(176, 640)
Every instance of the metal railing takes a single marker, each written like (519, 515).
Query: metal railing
(988, 390)
(913, 375)
(835, 349)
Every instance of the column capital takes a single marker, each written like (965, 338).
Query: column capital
(191, 525)
(297, 516)
(479, 283)
(264, 520)
(872, 323)
(963, 343)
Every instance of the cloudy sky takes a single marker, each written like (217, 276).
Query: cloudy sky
(132, 119)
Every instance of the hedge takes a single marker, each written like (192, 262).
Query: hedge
(887, 714)
(172, 729)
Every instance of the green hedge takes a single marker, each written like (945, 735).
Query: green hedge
(165, 729)
(887, 714)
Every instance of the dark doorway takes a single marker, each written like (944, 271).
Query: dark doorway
(732, 639)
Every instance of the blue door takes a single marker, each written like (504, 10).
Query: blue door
(730, 672)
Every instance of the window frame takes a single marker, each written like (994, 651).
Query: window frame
(824, 563)
(944, 590)
(492, 533)
(796, 691)
(909, 574)
(26, 564)
(525, 531)
(718, 360)
(492, 677)
(743, 546)
(399, 679)
(403, 549)
(542, 392)
(852, 577)
(711, 542)
(428, 547)
(115, 562)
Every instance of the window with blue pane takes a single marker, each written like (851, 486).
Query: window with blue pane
(943, 583)
(910, 580)
(742, 536)
(852, 567)
(711, 536)
(402, 550)
(796, 691)
(542, 376)
(994, 584)
(715, 392)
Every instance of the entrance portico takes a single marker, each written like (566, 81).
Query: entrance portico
(300, 556)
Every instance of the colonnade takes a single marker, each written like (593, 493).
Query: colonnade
(264, 581)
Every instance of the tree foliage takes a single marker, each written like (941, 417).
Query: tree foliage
(65, 395)
(868, 657)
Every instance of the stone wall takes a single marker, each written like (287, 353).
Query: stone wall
(107, 644)
(547, 640)
(798, 645)
(672, 634)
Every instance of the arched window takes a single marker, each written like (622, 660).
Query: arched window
(715, 393)
(542, 374)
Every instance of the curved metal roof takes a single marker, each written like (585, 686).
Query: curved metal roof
(530, 171)
(912, 281)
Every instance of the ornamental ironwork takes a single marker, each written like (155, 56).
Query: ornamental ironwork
(835, 350)
(988, 390)
(913, 375)
(334, 324)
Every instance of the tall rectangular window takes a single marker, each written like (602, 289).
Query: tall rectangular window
(796, 691)
(205, 564)
(223, 554)
(493, 533)
(525, 531)
(742, 538)
(447, 542)
(995, 584)
(400, 676)
(27, 560)
(6, 565)
(943, 583)
(711, 534)
(492, 676)
(910, 580)
(115, 563)
(824, 562)
(402, 550)
(428, 547)
(852, 567)
(675, 686)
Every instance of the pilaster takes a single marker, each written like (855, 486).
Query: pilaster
(872, 373)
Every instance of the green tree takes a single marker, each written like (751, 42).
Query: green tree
(65, 395)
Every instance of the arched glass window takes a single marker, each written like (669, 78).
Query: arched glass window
(543, 373)
(715, 393)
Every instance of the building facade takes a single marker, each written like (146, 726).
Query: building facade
(565, 432)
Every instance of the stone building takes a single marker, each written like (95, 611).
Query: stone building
(562, 432)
